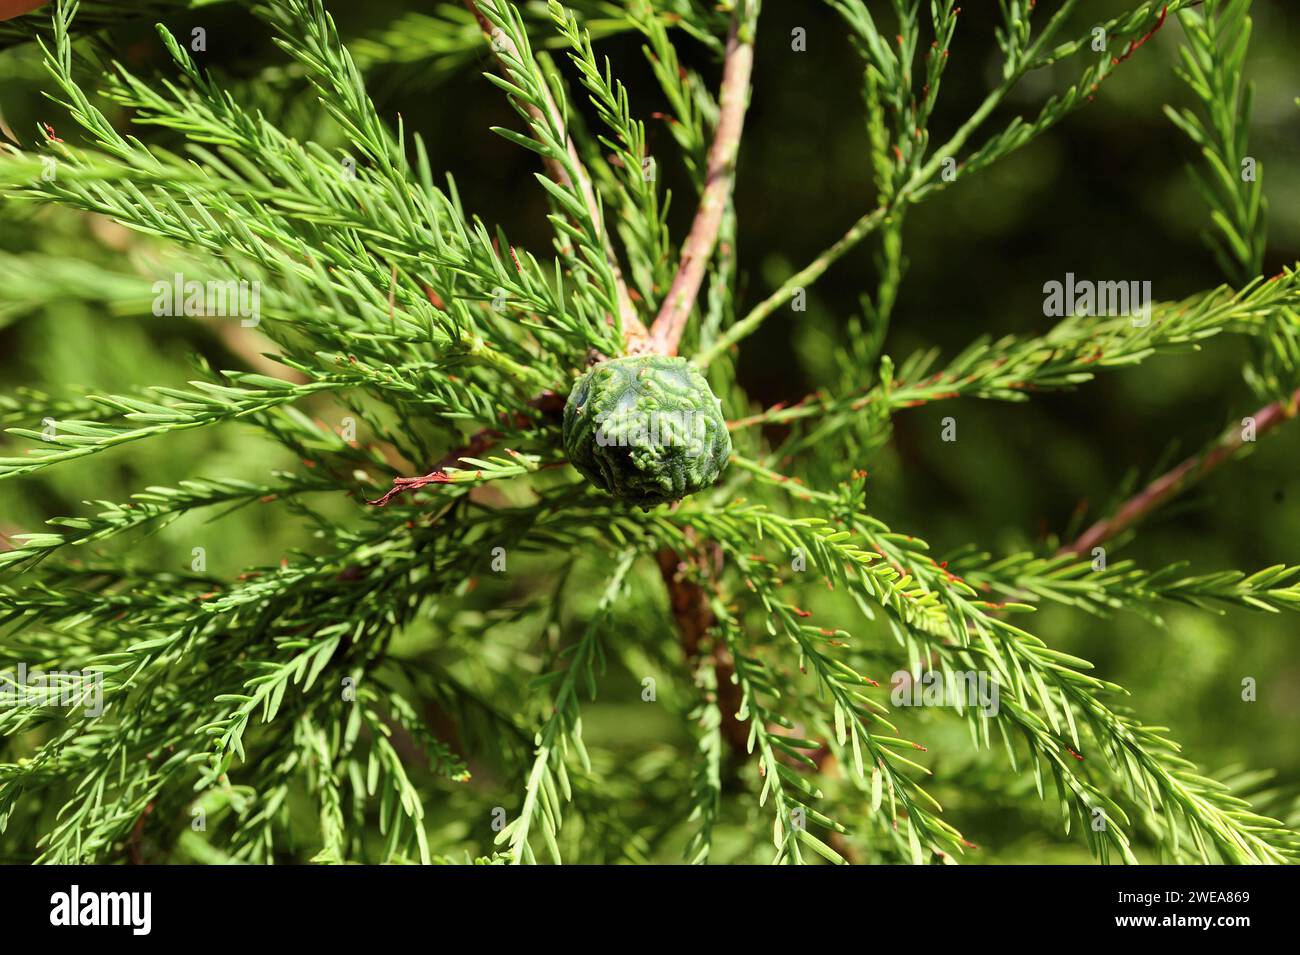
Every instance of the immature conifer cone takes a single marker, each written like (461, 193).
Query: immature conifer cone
(646, 429)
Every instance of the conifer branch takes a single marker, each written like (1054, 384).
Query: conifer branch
(390, 302)
(947, 617)
(208, 405)
(1213, 66)
(1178, 479)
(779, 783)
(706, 790)
(690, 102)
(1204, 807)
(548, 782)
(567, 170)
(1071, 354)
(922, 181)
(630, 173)
(1069, 581)
(156, 504)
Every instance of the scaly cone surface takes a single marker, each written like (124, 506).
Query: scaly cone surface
(646, 429)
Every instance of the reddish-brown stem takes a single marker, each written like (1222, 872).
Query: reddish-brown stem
(1137, 44)
(733, 99)
(477, 445)
(690, 607)
(548, 403)
(1174, 482)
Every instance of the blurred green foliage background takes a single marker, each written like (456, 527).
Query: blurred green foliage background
(1104, 195)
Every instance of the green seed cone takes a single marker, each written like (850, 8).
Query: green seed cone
(646, 429)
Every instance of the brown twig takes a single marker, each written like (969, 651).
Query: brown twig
(1137, 44)
(733, 99)
(477, 445)
(548, 403)
(1174, 482)
(690, 607)
(634, 332)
